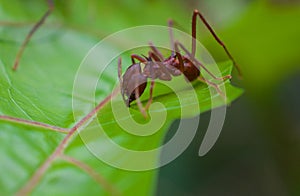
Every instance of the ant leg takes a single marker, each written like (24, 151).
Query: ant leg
(151, 95)
(216, 86)
(154, 56)
(139, 103)
(139, 58)
(200, 64)
(156, 52)
(170, 25)
(194, 28)
(31, 32)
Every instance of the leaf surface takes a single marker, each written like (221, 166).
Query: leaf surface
(41, 91)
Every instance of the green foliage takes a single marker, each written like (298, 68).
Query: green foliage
(264, 39)
(41, 90)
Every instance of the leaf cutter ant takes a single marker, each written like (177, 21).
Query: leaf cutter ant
(134, 80)
(31, 32)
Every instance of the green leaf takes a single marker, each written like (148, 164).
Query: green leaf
(41, 91)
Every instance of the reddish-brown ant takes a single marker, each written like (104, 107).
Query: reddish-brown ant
(134, 80)
(31, 32)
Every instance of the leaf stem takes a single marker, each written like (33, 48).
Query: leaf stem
(96, 176)
(33, 123)
(33, 181)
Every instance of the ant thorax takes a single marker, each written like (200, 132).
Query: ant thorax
(156, 70)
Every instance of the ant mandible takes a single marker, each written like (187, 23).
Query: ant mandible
(134, 80)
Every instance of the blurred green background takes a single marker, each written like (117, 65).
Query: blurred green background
(258, 152)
